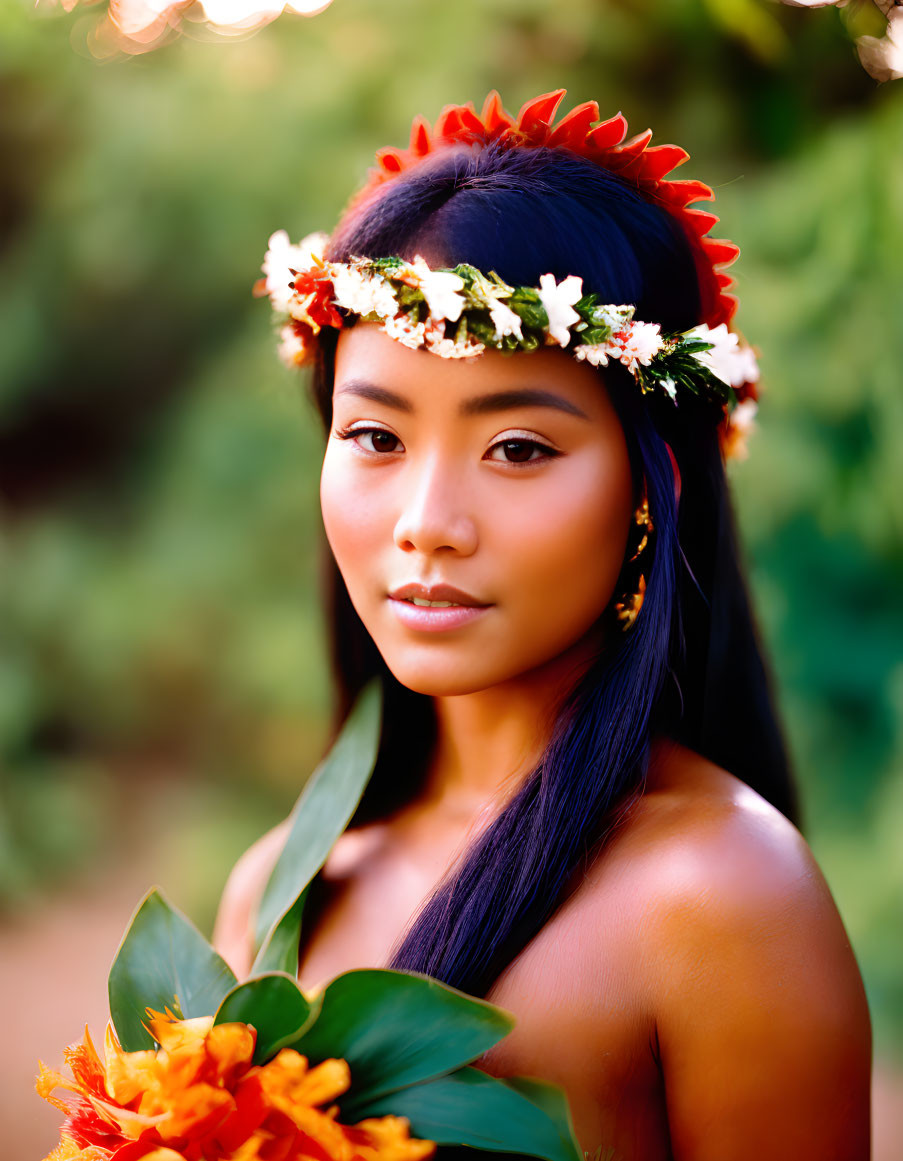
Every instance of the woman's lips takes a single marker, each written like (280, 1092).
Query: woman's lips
(462, 609)
(433, 620)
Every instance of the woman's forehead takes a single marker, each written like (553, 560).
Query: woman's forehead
(371, 365)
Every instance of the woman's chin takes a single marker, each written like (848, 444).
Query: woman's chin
(443, 680)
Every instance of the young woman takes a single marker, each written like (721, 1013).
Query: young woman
(582, 808)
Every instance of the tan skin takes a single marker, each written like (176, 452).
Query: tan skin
(696, 995)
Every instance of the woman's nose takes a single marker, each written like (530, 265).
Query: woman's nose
(435, 513)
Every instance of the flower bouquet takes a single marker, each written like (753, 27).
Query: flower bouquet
(376, 1066)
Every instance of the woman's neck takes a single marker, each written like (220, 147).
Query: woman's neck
(487, 742)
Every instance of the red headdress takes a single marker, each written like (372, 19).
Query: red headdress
(635, 161)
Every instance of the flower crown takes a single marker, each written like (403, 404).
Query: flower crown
(459, 312)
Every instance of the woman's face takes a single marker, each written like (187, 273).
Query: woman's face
(505, 476)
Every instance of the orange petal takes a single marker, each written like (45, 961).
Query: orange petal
(127, 1073)
(130, 1124)
(86, 1065)
(289, 1076)
(195, 1112)
(171, 1032)
(49, 1079)
(68, 1150)
(389, 1138)
(230, 1049)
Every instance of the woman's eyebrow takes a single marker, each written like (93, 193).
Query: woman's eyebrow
(519, 397)
(477, 405)
(365, 390)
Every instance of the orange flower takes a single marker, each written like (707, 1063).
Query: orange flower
(199, 1098)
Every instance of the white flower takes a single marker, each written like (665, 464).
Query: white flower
(558, 301)
(440, 288)
(613, 317)
(282, 257)
(595, 353)
(505, 320)
(640, 344)
(437, 344)
(361, 293)
(741, 424)
(882, 57)
(404, 331)
(733, 364)
(291, 349)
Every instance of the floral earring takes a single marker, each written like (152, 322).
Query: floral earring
(631, 601)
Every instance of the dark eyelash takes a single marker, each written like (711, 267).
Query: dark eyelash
(549, 452)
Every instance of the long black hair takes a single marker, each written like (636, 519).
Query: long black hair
(690, 668)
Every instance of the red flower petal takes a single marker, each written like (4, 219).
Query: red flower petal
(635, 161)
(536, 116)
(494, 117)
(621, 154)
(390, 159)
(700, 221)
(684, 193)
(720, 252)
(571, 130)
(609, 133)
(420, 136)
(659, 160)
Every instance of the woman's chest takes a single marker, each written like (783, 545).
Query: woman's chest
(575, 991)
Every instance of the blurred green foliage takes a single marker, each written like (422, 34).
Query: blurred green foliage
(159, 605)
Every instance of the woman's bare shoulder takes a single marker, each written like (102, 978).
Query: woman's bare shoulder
(760, 1013)
(701, 834)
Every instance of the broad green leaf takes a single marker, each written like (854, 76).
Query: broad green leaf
(324, 809)
(274, 1005)
(469, 1107)
(163, 961)
(551, 1099)
(397, 1028)
(279, 952)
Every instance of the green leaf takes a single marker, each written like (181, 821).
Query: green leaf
(398, 1028)
(274, 1005)
(468, 1107)
(163, 961)
(279, 952)
(553, 1102)
(322, 812)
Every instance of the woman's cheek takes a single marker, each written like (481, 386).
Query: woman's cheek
(578, 534)
(350, 518)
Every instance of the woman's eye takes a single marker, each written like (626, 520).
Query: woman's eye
(380, 440)
(520, 451)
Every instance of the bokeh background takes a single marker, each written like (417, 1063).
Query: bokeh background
(163, 679)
